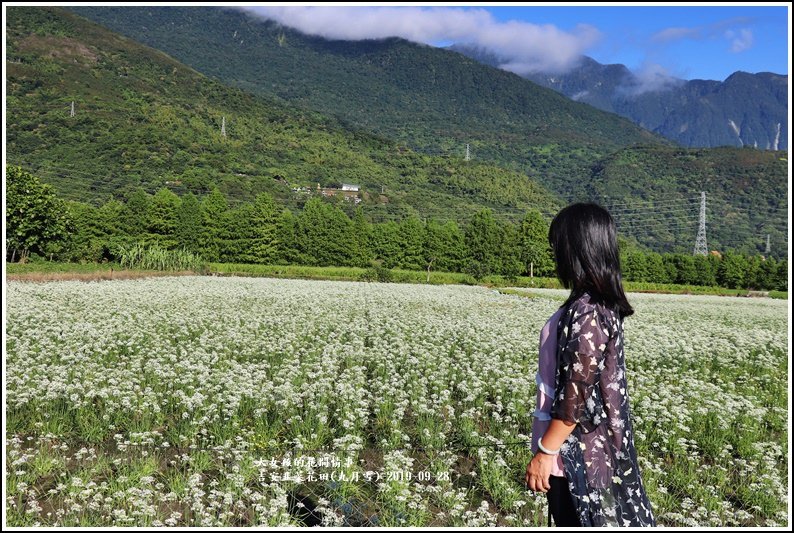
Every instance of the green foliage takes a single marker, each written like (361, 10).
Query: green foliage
(634, 266)
(187, 231)
(410, 240)
(535, 251)
(323, 235)
(733, 270)
(781, 279)
(510, 252)
(361, 253)
(137, 212)
(36, 220)
(162, 218)
(476, 269)
(97, 231)
(145, 121)
(443, 247)
(285, 238)
(153, 257)
(484, 241)
(384, 243)
(453, 100)
(745, 197)
(654, 268)
(253, 231)
(377, 272)
(214, 225)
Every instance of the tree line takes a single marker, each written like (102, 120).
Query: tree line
(321, 234)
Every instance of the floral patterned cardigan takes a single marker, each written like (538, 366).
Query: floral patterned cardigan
(599, 457)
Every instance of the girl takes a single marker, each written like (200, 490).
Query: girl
(587, 464)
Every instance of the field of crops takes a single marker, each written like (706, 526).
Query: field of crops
(226, 401)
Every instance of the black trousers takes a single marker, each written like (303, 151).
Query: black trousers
(561, 505)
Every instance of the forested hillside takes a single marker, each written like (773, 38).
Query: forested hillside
(746, 197)
(141, 119)
(438, 101)
(431, 99)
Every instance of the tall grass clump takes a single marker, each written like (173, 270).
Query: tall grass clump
(153, 257)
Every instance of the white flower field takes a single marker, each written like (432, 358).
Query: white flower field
(214, 401)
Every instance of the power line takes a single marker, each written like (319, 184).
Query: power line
(687, 224)
(654, 202)
(663, 217)
(651, 208)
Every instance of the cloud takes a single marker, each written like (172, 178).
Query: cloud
(650, 77)
(522, 47)
(741, 39)
(676, 34)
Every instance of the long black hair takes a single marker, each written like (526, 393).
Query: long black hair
(584, 241)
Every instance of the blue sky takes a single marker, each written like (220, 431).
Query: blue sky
(708, 51)
(706, 42)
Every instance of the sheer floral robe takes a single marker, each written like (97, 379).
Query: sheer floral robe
(599, 457)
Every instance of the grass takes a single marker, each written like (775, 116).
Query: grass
(53, 271)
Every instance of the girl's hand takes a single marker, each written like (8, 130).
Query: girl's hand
(538, 472)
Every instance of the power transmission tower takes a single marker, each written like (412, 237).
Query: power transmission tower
(700, 242)
(71, 113)
(223, 127)
(768, 248)
(468, 154)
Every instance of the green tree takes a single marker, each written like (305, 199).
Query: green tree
(455, 259)
(510, 261)
(671, 267)
(36, 220)
(97, 232)
(137, 213)
(633, 265)
(767, 273)
(732, 270)
(686, 271)
(438, 248)
(237, 235)
(483, 239)
(362, 253)
(410, 237)
(753, 272)
(264, 228)
(213, 210)
(323, 235)
(536, 254)
(385, 244)
(189, 224)
(654, 268)
(706, 275)
(781, 281)
(162, 219)
(285, 238)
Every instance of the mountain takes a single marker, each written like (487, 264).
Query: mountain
(744, 110)
(746, 197)
(430, 99)
(143, 119)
